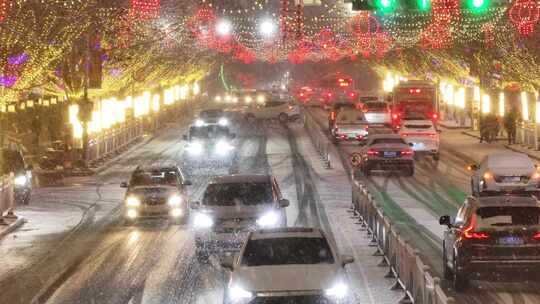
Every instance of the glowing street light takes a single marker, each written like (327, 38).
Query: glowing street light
(267, 28)
(224, 27)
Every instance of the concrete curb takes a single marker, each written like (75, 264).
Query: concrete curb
(520, 151)
(12, 227)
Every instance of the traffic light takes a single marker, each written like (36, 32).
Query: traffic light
(477, 6)
(389, 6)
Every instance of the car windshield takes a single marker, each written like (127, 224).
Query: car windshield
(408, 126)
(287, 251)
(387, 141)
(211, 113)
(208, 132)
(376, 106)
(234, 194)
(493, 217)
(151, 178)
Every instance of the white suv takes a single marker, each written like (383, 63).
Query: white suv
(281, 265)
(282, 110)
(504, 172)
(423, 136)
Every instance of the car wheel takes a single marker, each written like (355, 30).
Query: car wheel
(409, 171)
(436, 157)
(202, 256)
(460, 280)
(283, 118)
(250, 118)
(367, 170)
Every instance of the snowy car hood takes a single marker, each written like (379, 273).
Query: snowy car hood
(239, 211)
(287, 277)
(159, 191)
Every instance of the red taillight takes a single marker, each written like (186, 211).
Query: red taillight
(395, 116)
(404, 134)
(301, 94)
(333, 115)
(435, 116)
(469, 233)
(372, 152)
(343, 136)
(536, 236)
(407, 152)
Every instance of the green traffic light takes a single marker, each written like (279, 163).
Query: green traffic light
(385, 6)
(424, 5)
(478, 6)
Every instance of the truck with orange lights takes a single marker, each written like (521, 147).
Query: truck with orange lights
(414, 99)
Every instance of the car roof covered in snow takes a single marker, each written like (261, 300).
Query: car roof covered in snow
(241, 178)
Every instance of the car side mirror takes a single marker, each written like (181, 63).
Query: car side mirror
(472, 167)
(195, 205)
(123, 185)
(187, 183)
(445, 221)
(227, 262)
(30, 167)
(411, 145)
(347, 259)
(284, 203)
(184, 137)
(232, 136)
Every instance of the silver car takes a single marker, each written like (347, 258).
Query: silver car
(232, 206)
(504, 172)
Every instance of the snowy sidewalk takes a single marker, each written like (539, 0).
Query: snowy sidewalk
(467, 145)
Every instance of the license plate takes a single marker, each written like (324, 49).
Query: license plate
(511, 240)
(511, 179)
(389, 153)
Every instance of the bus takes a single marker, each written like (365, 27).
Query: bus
(414, 99)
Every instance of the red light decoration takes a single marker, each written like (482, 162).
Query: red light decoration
(445, 11)
(436, 36)
(4, 5)
(145, 9)
(524, 14)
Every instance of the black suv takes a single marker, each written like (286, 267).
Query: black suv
(158, 191)
(491, 235)
(13, 161)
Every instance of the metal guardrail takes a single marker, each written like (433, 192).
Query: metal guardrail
(319, 139)
(404, 262)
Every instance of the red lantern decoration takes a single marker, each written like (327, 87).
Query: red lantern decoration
(436, 36)
(445, 11)
(524, 14)
(145, 9)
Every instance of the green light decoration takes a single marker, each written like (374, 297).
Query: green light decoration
(222, 77)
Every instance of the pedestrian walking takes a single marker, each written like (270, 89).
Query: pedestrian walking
(510, 125)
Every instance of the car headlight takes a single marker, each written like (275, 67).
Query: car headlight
(223, 121)
(269, 219)
(20, 180)
(248, 99)
(217, 98)
(202, 220)
(132, 201)
(195, 148)
(236, 293)
(199, 123)
(338, 291)
(261, 99)
(223, 147)
(174, 201)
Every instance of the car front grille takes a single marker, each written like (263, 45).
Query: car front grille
(155, 201)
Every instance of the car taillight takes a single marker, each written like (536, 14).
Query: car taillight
(372, 152)
(469, 233)
(395, 116)
(407, 152)
(343, 136)
(433, 135)
(536, 236)
(333, 115)
(435, 116)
